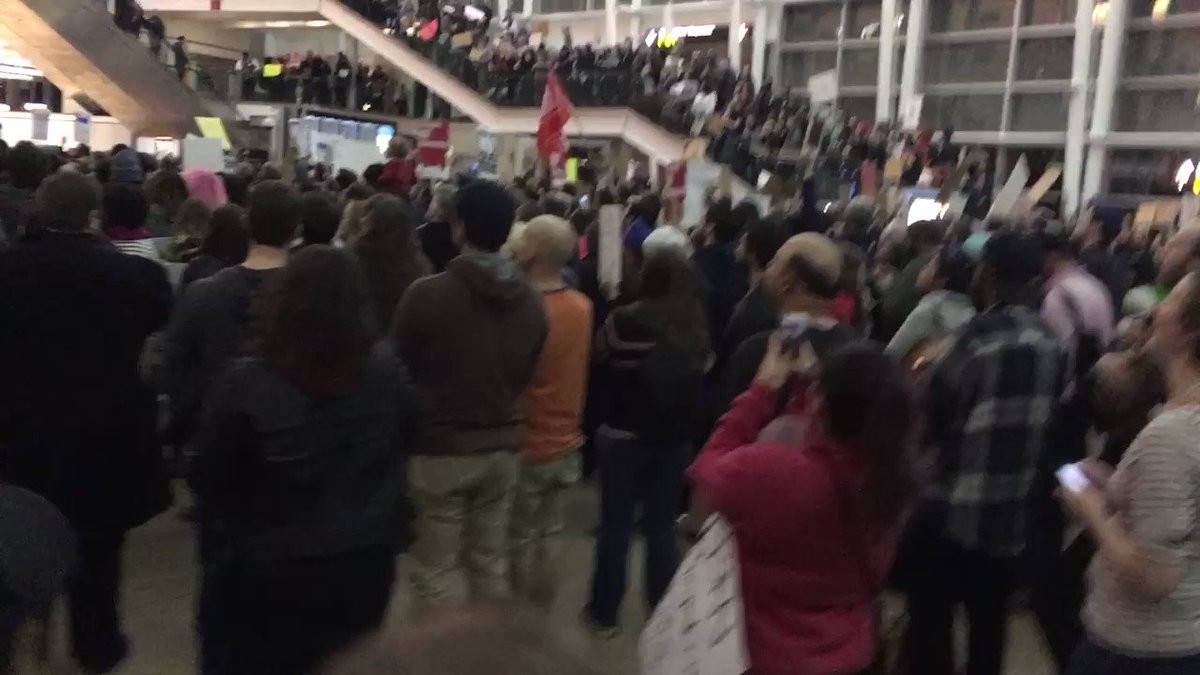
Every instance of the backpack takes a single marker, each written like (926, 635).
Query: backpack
(671, 393)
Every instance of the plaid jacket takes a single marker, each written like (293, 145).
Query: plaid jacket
(992, 400)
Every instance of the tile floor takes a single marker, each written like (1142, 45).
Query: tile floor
(159, 586)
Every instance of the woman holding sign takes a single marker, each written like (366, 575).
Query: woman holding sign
(817, 498)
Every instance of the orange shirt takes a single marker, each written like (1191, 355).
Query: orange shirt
(555, 396)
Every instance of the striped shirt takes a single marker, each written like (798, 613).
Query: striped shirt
(1159, 481)
(139, 247)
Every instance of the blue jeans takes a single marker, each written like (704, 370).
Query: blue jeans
(1092, 659)
(635, 473)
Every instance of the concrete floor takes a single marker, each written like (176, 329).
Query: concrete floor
(160, 579)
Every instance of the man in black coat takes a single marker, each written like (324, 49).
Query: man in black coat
(77, 424)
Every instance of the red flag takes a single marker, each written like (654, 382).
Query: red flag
(556, 110)
(429, 30)
(431, 150)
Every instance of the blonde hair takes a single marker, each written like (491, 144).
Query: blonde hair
(354, 221)
(554, 240)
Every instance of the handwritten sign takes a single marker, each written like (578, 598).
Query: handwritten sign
(609, 271)
(823, 87)
(698, 628)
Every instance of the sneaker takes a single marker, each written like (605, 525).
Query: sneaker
(595, 628)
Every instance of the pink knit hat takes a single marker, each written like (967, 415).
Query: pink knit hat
(206, 186)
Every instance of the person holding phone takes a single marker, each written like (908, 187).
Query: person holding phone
(1142, 612)
(817, 497)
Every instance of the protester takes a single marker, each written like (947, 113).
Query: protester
(126, 167)
(400, 172)
(654, 352)
(209, 329)
(227, 244)
(192, 223)
(922, 239)
(716, 260)
(1178, 258)
(472, 336)
(817, 515)
(166, 192)
(946, 306)
(78, 425)
(756, 312)
(301, 457)
(319, 219)
(803, 280)
(389, 255)
(436, 234)
(27, 167)
(1140, 611)
(989, 405)
(550, 435)
(124, 221)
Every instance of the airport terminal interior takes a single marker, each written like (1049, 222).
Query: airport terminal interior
(599, 337)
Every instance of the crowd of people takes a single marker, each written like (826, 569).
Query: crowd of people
(354, 367)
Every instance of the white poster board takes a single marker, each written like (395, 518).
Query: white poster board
(823, 87)
(203, 153)
(698, 628)
(609, 268)
(1006, 200)
(910, 117)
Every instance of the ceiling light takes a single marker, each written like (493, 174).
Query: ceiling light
(30, 107)
(1100, 13)
(1160, 9)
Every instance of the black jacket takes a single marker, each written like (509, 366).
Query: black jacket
(288, 474)
(77, 425)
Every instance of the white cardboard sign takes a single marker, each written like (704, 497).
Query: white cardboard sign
(699, 627)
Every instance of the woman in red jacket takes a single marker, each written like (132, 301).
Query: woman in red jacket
(817, 497)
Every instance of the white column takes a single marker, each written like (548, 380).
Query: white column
(501, 10)
(610, 22)
(886, 81)
(350, 47)
(1112, 56)
(527, 9)
(758, 43)
(668, 17)
(1081, 72)
(735, 24)
(914, 51)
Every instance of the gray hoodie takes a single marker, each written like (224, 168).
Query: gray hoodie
(937, 314)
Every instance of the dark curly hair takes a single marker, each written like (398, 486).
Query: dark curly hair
(314, 326)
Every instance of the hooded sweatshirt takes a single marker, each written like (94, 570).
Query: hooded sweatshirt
(471, 336)
(938, 314)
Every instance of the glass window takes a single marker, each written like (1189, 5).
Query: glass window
(860, 66)
(1048, 12)
(953, 15)
(1163, 52)
(971, 112)
(862, 107)
(862, 19)
(550, 6)
(1146, 7)
(968, 62)
(1145, 171)
(1162, 110)
(811, 22)
(1040, 112)
(1045, 58)
(796, 67)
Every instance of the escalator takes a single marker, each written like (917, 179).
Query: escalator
(79, 48)
(616, 122)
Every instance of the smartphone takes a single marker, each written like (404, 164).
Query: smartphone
(792, 329)
(1071, 477)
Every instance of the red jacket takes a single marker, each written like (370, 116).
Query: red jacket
(810, 574)
(398, 177)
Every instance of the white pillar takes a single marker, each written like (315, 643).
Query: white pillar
(610, 22)
(668, 17)
(501, 10)
(735, 24)
(349, 46)
(758, 44)
(886, 81)
(914, 49)
(635, 24)
(1112, 56)
(1081, 72)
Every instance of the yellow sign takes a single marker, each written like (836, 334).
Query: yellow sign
(667, 41)
(272, 69)
(572, 170)
(213, 127)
